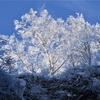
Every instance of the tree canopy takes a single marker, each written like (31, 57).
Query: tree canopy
(50, 46)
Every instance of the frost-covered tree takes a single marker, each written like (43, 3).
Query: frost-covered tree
(49, 45)
(6, 62)
(44, 40)
(80, 40)
(84, 38)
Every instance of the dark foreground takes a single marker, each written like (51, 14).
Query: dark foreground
(76, 86)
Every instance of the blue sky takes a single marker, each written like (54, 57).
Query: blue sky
(14, 9)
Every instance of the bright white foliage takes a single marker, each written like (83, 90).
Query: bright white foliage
(49, 45)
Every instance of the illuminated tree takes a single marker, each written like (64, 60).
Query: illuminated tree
(48, 45)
